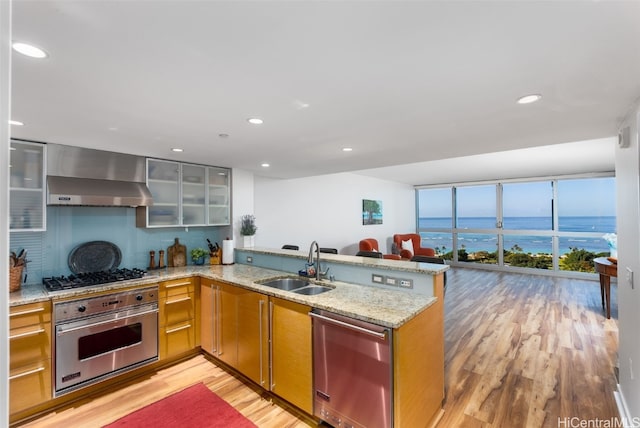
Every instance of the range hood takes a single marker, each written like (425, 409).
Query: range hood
(88, 177)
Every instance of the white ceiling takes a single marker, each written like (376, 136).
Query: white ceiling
(399, 82)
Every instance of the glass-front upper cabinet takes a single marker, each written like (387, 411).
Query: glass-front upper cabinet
(219, 196)
(27, 210)
(163, 180)
(194, 193)
(185, 195)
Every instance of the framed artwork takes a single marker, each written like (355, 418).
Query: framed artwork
(371, 212)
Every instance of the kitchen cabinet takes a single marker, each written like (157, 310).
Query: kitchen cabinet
(185, 195)
(29, 355)
(177, 317)
(267, 339)
(291, 352)
(27, 187)
(219, 320)
(253, 336)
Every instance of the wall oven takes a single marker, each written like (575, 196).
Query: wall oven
(99, 337)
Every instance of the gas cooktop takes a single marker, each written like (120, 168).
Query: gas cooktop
(57, 283)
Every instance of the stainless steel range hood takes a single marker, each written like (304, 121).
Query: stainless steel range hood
(79, 176)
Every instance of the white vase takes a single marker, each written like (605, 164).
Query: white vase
(248, 241)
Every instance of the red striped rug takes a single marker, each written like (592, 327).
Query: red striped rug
(193, 407)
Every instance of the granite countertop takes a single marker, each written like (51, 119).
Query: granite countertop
(388, 308)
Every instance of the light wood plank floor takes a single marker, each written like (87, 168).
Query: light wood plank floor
(521, 351)
(525, 350)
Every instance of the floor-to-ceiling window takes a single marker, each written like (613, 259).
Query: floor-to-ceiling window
(558, 224)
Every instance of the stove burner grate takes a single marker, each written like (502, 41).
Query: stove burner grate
(57, 283)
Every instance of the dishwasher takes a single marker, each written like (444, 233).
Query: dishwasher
(352, 371)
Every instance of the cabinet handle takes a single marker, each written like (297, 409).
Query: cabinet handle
(173, 330)
(214, 343)
(219, 321)
(27, 373)
(180, 284)
(30, 311)
(28, 333)
(171, 302)
(273, 385)
(260, 304)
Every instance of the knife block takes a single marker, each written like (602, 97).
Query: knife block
(215, 257)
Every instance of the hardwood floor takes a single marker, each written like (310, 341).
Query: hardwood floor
(521, 351)
(97, 411)
(524, 350)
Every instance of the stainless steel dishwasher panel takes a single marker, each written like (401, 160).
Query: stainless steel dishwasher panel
(352, 371)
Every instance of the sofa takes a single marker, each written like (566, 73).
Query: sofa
(416, 242)
(369, 245)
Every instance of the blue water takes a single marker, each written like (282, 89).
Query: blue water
(529, 244)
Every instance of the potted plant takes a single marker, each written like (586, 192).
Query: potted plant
(248, 228)
(197, 255)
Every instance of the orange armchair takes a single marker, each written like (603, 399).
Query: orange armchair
(371, 244)
(418, 249)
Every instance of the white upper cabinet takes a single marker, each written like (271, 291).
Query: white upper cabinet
(185, 195)
(27, 210)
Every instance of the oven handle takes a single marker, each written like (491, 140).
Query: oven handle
(382, 335)
(60, 330)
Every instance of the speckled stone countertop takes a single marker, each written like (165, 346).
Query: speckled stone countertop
(388, 308)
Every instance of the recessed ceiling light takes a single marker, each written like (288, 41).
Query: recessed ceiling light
(255, 121)
(223, 135)
(528, 99)
(178, 150)
(29, 50)
(347, 149)
(265, 165)
(15, 122)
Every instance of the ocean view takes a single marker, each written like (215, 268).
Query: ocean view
(528, 244)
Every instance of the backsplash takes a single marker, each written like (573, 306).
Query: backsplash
(68, 227)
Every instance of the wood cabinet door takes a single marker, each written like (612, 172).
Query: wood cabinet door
(207, 325)
(253, 334)
(291, 356)
(227, 324)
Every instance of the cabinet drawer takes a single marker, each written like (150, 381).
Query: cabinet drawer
(30, 314)
(176, 287)
(178, 308)
(177, 339)
(29, 385)
(29, 344)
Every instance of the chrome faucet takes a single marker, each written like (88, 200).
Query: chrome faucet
(310, 260)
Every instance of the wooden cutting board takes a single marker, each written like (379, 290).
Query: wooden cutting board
(177, 255)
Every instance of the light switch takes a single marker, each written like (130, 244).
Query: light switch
(630, 278)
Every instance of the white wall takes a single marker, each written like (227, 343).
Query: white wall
(328, 209)
(242, 200)
(628, 201)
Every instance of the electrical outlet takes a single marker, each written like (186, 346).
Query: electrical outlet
(407, 283)
(631, 368)
(377, 279)
(391, 281)
(249, 259)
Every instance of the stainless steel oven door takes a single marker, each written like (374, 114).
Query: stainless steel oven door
(92, 349)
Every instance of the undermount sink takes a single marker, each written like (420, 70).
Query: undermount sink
(287, 284)
(296, 285)
(312, 290)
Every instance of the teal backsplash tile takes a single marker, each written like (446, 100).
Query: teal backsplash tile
(68, 227)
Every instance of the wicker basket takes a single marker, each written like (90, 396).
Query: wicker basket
(15, 278)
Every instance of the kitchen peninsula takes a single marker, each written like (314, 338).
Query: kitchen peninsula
(415, 316)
